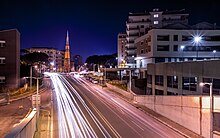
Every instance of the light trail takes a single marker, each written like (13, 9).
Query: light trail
(72, 121)
(115, 103)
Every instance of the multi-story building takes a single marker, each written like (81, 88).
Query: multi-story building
(54, 56)
(121, 50)
(183, 78)
(198, 42)
(139, 24)
(9, 58)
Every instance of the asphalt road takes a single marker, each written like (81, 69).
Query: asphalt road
(87, 110)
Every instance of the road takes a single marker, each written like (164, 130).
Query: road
(87, 110)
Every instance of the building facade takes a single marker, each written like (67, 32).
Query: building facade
(139, 24)
(176, 45)
(9, 59)
(54, 56)
(121, 50)
(183, 78)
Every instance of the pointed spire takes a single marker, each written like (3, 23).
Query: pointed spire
(67, 38)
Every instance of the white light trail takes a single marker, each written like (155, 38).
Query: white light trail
(72, 121)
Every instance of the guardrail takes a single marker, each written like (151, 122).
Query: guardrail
(26, 128)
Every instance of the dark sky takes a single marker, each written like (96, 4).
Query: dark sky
(93, 25)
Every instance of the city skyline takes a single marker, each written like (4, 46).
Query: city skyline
(45, 22)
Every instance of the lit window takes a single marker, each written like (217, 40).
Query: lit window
(155, 15)
(2, 79)
(2, 43)
(155, 22)
(2, 60)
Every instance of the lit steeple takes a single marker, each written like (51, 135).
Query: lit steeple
(67, 38)
(67, 55)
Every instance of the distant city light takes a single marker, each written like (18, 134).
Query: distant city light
(214, 51)
(35, 66)
(132, 55)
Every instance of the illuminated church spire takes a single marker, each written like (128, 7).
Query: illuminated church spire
(67, 55)
(67, 38)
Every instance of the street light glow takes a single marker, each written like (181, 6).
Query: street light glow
(197, 39)
(182, 47)
(52, 63)
(214, 51)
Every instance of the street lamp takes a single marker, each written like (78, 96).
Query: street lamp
(182, 48)
(214, 51)
(197, 40)
(31, 72)
(211, 106)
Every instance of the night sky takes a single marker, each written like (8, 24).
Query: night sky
(93, 25)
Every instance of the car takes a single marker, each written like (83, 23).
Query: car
(95, 81)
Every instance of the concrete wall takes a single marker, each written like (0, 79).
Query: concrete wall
(26, 129)
(122, 92)
(191, 112)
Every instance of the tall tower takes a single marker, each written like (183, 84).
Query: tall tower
(67, 55)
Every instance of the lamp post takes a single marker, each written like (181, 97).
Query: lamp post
(182, 48)
(211, 107)
(130, 80)
(197, 40)
(214, 51)
(31, 72)
(52, 64)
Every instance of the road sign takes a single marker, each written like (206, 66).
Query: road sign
(34, 98)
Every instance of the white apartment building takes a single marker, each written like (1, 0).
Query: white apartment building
(121, 50)
(55, 56)
(139, 24)
(198, 42)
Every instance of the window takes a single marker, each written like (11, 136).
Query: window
(142, 43)
(162, 47)
(155, 15)
(175, 47)
(159, 80)
(175, 38)
(2, 79)
(155, 22)
(159, 59)
(2, 43)
(142, 26)
(2, 60)
(142, 51)
(158, 92)
(172, 81)
(189, 83)
(163, 38)
(171, 93)
(187, 38)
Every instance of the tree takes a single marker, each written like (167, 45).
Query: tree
(31, 59)
(106, 60)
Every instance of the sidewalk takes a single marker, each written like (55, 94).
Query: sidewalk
(45, 116)
(171, 124)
